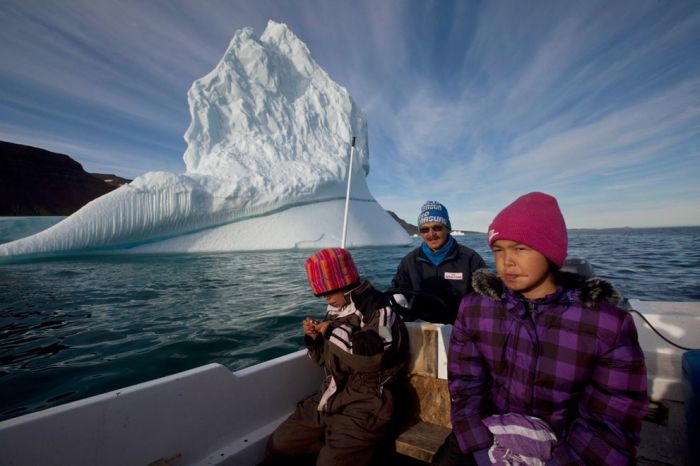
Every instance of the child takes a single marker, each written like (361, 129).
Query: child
(541, 351)
(363, 345)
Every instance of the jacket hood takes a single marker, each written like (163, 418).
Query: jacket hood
(589, 291)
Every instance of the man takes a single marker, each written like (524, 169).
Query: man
(439, 271)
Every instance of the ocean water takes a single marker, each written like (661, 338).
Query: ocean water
(79, 326)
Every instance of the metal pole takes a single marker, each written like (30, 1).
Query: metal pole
(347, 195)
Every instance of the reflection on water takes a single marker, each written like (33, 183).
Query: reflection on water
(75, 327)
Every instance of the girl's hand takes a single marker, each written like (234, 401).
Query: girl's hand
(309, 326)
(322, 326)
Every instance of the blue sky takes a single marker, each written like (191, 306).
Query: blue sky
(468, 103)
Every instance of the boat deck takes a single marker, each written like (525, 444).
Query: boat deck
(664, 442)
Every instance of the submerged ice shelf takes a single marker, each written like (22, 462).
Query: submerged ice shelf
(266, 166)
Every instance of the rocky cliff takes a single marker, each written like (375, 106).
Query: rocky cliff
(38, 182)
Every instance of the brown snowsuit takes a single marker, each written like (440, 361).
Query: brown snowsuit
(363, 351)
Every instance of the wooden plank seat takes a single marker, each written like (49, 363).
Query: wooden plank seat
(428, 398)
(430, 423)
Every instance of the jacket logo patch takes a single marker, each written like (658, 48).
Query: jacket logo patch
(453, 275)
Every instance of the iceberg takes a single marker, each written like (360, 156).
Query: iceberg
(266, 168)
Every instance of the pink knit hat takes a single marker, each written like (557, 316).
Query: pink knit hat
(535, 221)
(331, 269)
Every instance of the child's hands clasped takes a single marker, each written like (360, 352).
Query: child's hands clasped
(314, 328)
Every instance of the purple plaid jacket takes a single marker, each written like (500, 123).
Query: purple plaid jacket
(571, 359)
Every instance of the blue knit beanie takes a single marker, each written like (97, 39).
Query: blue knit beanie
(434, 212)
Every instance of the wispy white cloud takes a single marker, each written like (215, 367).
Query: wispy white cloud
(471, 103)
(632, 135)
(592, 101)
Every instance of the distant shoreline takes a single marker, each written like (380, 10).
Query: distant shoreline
(6, 217)
(466, 232)
(611, 229)
(633, 228)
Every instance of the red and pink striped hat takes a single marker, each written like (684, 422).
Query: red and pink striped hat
(331, 269)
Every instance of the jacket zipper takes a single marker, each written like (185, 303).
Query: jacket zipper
(536, 344)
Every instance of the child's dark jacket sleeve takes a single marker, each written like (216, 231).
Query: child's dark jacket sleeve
(315, 347)
(362, 349)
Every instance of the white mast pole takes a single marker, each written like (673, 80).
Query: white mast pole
(347, 195)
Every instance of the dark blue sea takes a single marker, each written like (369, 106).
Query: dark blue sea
(79, 326)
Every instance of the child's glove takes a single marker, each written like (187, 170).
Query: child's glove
(366, 343)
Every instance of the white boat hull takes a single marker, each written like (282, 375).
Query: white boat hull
(677, 321)
(204, 416)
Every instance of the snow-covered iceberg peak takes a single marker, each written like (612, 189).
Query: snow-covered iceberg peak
(268, 108)
(267, 162)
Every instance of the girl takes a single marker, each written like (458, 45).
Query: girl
(363, 346)
(543, 366)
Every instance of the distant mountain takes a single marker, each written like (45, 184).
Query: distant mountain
(35, 181)
(413, 230)
(113, 180)
(410, 229)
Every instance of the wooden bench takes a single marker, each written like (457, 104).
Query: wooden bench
(429, 399)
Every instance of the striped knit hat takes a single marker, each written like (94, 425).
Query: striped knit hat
(331, 269)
